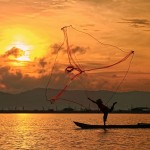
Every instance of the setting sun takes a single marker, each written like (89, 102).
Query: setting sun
(24, 40)
(22, 47)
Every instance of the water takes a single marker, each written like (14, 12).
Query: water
(58, 132)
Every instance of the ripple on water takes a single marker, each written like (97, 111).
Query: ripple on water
(57, 131)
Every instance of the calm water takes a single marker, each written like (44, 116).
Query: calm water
(58, 132)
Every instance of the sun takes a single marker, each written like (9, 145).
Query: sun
(26, 41)
(26, 48)
(22, 46)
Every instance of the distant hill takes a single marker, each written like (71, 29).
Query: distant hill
(35, 99)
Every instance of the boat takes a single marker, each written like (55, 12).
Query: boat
(90, 126)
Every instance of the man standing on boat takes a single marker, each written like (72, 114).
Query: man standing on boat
(104, 109)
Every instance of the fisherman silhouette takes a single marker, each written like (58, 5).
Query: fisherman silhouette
(104, 109)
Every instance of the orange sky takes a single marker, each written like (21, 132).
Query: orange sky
(30, 31)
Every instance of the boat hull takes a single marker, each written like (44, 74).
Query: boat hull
(89, 126)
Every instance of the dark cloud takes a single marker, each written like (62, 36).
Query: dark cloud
(4, 69)
(17, 81)
(78, 49)
(56, 47)
(42, 62)
(42, 71)
(14, 51)
(137, 23)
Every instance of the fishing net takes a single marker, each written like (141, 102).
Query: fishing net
(84, 64)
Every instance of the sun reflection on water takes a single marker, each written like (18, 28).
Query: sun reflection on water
(23, 131)
(57, 131)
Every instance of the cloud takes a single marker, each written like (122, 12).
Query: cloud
(21, 10)
(55, 48)
(16, 81)
(81, 50)
(15, 52)
(42, 62)
(87, 25)
(137, 23)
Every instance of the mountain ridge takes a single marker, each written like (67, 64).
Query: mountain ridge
(36, 99)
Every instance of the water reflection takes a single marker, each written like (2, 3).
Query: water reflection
(24, 132)
(57, 131)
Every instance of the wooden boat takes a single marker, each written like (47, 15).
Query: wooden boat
(90, 126)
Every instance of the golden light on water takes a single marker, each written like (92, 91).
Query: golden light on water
(20, 115)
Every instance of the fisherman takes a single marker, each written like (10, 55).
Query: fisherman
(104, 109)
